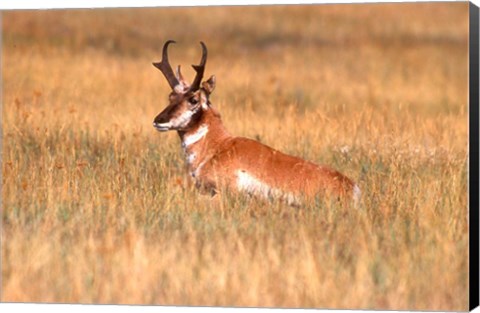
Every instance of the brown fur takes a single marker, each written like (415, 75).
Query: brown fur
(222, 155)
(220, 160)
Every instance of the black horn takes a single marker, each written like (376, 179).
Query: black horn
(200, 69)
(165, 68)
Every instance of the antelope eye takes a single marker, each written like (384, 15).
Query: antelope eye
(193, 101)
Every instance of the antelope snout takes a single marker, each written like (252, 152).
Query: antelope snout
(161, 127)
(161, 123)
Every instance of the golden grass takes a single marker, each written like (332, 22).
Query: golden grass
(95, 206)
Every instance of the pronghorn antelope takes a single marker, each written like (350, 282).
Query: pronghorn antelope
(216, 159)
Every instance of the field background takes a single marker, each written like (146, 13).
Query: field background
(95, 207)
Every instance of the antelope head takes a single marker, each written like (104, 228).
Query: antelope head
(187, 102)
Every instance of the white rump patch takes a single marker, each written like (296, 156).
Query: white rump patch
(253, 186)
(193, 138)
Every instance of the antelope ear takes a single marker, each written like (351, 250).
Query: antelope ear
(209, 85)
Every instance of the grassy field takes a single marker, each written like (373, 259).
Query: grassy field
(95, 206)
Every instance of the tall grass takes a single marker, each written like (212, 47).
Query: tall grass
(96, 207)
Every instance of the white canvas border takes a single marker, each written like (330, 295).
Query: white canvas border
(50, 4)
(56, 4)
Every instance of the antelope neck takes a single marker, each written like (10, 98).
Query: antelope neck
(201, 141)
(209, 128)
(194, 136)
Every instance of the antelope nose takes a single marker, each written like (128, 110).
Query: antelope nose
(160, 119)
(157, 122)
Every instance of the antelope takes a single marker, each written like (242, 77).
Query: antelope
(216, 159)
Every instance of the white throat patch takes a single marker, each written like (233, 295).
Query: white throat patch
(193, 138)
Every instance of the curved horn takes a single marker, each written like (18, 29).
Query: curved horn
(165, 68)
(200, 69)
(180, 77)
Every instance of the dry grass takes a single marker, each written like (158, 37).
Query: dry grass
(95, 208)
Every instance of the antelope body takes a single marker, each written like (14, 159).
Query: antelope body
(216, 159)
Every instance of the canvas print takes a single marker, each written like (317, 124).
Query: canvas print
(314, 156)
